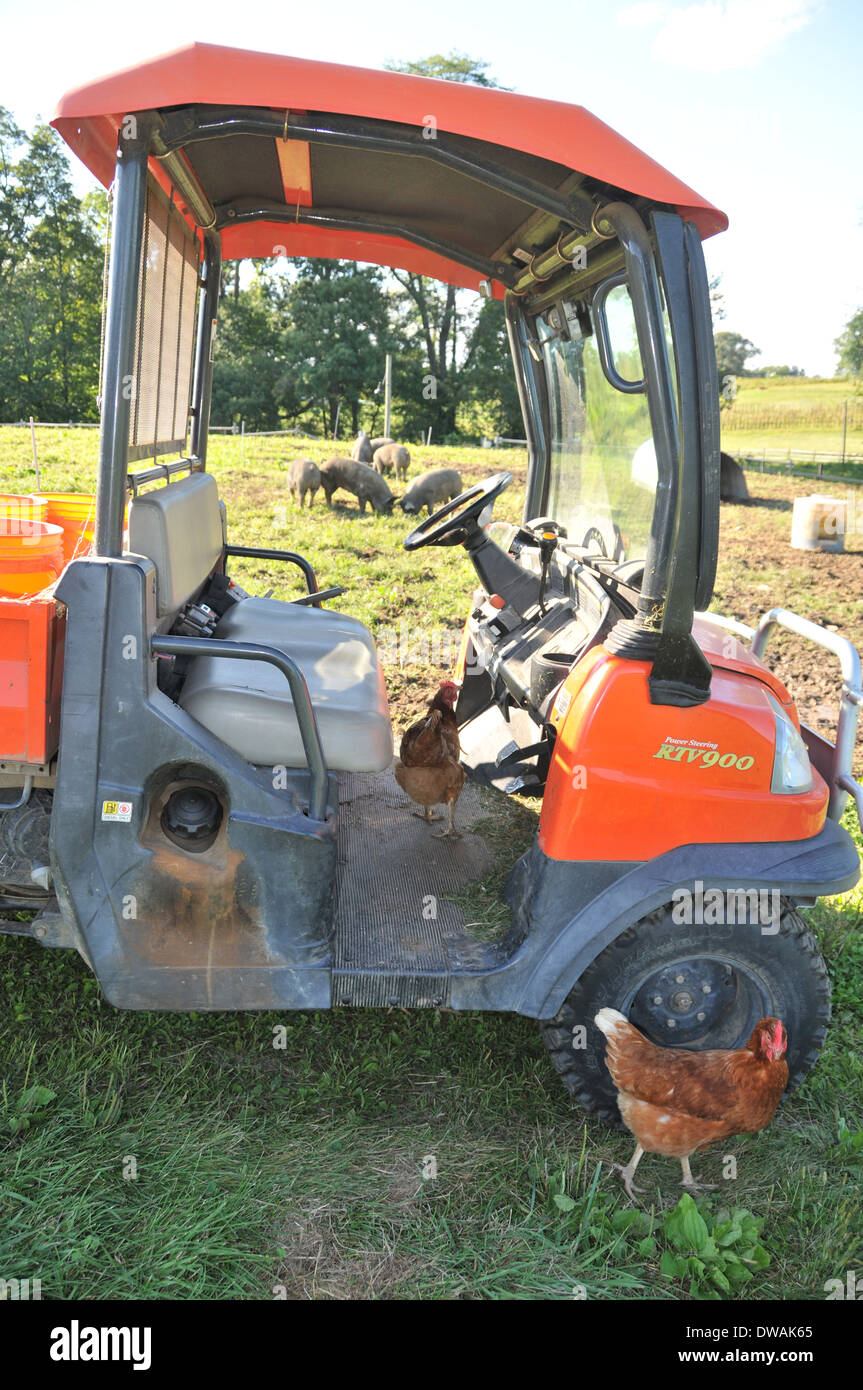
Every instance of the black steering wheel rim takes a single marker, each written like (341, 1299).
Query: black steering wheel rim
(444, 528)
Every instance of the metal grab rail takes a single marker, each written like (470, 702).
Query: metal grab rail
(161, 472)
(255, 651)
(290, 557)
(315, 599)
(850, 698)
(842, 780)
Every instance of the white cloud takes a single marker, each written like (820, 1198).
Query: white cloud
(718, 35)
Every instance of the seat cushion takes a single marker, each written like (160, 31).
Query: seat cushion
(248, 704)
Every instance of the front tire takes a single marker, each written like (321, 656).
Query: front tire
(696, 987)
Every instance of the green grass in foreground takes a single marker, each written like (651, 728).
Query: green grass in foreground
(303, 1167)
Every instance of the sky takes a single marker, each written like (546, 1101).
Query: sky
(756, 104)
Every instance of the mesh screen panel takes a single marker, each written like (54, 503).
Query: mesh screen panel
(164, 348)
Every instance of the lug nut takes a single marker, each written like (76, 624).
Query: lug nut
(672, 1023)
(678, 979)
(657, 998)
(705, 989)
(701, 1017)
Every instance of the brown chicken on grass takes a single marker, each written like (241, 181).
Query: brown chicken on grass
(427, 767)
(676, 1102)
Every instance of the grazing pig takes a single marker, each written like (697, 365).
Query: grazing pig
(392, 456)
(375, 444)
(362, 450)
(431, 489)
(304, 476)
(358, 478)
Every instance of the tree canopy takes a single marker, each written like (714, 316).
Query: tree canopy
(51, 263)
(849, 346)
(733, 351)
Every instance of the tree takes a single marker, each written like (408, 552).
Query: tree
(450, 67)
(249, 359)
(779, 371)
(51, 297)
(12, 201)
(431, 311)
(849, 346)
(338, 338)
(490, 393)
(733, 351)
(309, 342)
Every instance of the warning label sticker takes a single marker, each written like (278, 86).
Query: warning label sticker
(117, 810)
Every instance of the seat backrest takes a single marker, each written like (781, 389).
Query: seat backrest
(179, 528)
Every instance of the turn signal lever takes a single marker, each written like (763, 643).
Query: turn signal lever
(547, 546)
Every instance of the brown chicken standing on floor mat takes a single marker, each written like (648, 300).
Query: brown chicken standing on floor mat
(427, 767)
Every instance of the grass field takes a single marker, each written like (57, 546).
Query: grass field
(306, 1171)
(793, 413)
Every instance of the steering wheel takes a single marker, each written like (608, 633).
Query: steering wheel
(457, 520)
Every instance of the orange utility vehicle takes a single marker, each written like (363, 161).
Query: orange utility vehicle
(199, 792)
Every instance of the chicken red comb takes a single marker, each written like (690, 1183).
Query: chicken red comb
(772, 1037)
(449, 689)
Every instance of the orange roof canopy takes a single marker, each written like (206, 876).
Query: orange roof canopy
(560, 139)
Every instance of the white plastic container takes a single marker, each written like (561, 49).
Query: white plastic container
(819, 523)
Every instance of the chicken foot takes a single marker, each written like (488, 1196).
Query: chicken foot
(628, 1173)
(426, 814)
(451, 830)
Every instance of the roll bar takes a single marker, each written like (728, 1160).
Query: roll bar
(256, 651)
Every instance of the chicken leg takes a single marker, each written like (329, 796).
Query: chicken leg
(689, 1181)
(628, 1173)
(426, 814)
(450, 830)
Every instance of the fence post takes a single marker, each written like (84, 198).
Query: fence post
(35, 452)
(844, 429)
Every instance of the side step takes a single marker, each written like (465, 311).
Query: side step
(368, 990)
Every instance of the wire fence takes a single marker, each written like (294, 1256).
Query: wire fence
(790, 463)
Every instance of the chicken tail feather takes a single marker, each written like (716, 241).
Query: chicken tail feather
(608, 1021)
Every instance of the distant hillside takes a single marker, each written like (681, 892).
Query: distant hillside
(794, 413)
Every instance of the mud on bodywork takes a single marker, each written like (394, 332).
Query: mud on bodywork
(246, 923)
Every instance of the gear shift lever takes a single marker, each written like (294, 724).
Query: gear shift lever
(547, 547)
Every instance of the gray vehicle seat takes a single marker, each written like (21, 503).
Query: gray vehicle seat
(248, 704)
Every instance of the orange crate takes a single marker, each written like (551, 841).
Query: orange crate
(32, 634)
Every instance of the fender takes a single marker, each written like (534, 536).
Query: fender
(558, 943)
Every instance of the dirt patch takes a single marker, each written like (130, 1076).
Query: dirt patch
(323, 1253)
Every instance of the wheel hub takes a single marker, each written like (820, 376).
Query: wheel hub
(685, 1001)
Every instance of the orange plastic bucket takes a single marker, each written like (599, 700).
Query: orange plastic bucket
(21, 506)
(75, 514)
(31, 556)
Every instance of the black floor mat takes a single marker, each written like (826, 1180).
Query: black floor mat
(392, 913)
